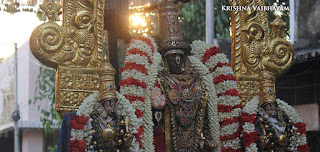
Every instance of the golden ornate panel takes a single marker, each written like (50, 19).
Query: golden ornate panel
(255, 49)
(75, 49)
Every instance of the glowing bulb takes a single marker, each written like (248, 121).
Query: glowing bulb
(137, 19)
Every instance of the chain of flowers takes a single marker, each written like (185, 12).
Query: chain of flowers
(142, 59)
(226, 94)
(299, 142)
(206, 78)
(129, 111)
(247, 119)
(147, 139)
(250, 136)
(81, 130)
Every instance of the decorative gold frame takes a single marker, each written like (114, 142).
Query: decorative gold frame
(75, 50)
(257, 53)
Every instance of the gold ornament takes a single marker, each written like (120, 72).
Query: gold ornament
(108, 134)
(107, 88)
(253, 51)
(75, 50)
(171, 40)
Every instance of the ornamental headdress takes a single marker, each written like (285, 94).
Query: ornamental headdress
(171, 40)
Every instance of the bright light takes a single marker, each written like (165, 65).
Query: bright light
(137, 20)
(15, 28)
(279, 13)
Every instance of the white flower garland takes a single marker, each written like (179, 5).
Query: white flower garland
(149, 79)
(87, 106)
(129, 111)
(299, 139)
(206, 78)
(252, 108)
(147, 139)
(199, 48)
(85, 109)
(133, 74)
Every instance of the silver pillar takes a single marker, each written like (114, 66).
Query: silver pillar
(209, 21)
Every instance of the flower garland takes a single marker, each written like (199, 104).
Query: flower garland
(299, 142)
(247, 119)
(250, 136)
(81, 130)
(139, 74)
(224, 102)
(206, 78)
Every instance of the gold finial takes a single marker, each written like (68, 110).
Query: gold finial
(277, 27)
(107, 89)
(50, 9)
(267, 91)
(169, 30)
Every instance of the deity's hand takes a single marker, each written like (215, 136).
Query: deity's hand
(208, 145)
(158, 99)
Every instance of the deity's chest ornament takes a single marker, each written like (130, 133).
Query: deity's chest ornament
(184, 94)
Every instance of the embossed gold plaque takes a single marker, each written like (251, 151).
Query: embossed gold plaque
(75, 50)
(255, 51)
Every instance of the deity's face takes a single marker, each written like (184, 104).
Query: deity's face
(175, 62)
(271, 109)
(110, 105)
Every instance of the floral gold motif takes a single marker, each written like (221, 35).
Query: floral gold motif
(75, 50)
(255, 48)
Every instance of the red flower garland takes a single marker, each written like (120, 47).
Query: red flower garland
(130, 66)
(231, 92)
(133, 98)
(249, 138)
(147, 40)
(136, 51)
(211, 52)
(218, 65)
(232, 136)
(78, 122)
(301, 127)
(229, 121)
(223, 78)
(230, 150)
(227, 108)
(131, 81)
(139, 113)
(76, 146)
(138, 135)
(247, 118)
(303, 148)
